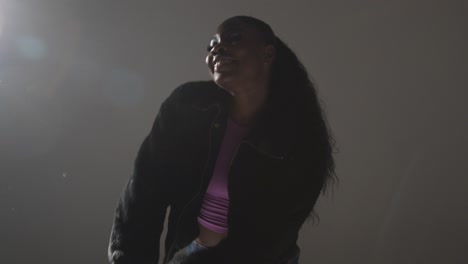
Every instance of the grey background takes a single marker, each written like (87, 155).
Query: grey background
(81, 82)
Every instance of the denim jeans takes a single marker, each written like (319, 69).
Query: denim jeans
(183, 253)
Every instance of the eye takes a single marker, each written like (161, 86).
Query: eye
(234, 38)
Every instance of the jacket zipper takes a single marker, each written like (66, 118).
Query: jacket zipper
(201, 181)
(229, 191)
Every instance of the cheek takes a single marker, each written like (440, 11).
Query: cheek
(250, 58)
(251, 65)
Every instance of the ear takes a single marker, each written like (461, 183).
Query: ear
(270, 54)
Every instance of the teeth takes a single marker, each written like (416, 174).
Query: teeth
(222, 61)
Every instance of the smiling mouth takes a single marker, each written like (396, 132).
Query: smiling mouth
(222, 64)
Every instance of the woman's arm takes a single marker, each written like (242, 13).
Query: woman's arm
(141, 210)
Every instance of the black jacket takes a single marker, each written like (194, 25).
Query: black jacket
(273, 182)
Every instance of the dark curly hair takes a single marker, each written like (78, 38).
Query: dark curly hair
(290, 86)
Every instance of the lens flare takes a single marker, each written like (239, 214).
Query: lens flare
(1, 20)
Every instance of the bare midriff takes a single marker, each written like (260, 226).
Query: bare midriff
(209, 238)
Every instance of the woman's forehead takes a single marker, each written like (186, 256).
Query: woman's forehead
(234, 27)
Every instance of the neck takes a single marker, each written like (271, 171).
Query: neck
(244, 108)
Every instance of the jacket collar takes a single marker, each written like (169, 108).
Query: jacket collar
(275, 131)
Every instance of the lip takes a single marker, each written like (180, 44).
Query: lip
(222, 65)
(221, 58)
(222, 62)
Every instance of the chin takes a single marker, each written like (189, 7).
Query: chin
(221, 82)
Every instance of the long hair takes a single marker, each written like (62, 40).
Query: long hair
(290, 85)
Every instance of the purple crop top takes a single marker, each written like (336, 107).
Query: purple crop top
(215, 205)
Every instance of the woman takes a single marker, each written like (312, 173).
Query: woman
(240, 159)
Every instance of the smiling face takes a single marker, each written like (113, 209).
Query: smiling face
(243, 57)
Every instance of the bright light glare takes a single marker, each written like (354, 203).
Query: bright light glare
(1, 20)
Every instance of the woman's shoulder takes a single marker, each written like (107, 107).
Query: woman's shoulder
(193, 89)
(196, 93)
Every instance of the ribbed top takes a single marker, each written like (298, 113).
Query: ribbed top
(215, 205)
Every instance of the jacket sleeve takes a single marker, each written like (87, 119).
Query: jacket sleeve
(141, 209)
(277, 226)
